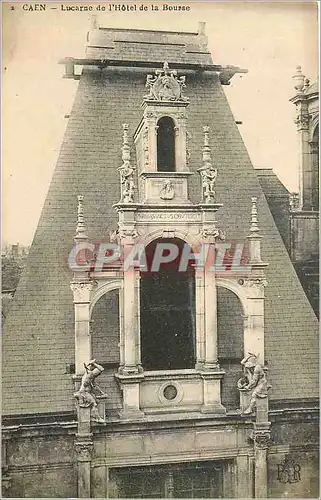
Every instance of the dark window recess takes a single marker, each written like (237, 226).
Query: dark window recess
(167, 315)
(166, 145)
(173, 481)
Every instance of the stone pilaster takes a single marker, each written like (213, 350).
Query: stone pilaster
(261, 444)
(83, 449)
(82, 293)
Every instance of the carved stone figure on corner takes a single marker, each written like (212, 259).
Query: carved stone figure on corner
(127, 182)
(254, 379)
(208, 178)
(85, 396)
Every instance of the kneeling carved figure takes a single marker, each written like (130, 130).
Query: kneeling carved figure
(85, 396)
(254, 378)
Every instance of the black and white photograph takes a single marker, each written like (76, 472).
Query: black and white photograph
(160, 249)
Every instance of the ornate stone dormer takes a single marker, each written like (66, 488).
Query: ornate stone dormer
(161, 140)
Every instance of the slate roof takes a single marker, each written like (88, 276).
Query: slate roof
(271, 184)
(39, 331)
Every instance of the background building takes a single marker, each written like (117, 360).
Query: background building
(305, 213)
(142, 151)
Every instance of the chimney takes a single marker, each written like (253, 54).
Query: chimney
(201, 28)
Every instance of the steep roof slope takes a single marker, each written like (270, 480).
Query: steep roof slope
(39, 331)
(271, 184)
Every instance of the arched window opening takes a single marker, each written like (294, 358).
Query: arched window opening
(104, 330)
(315, 169)
(230, 328)
(167, 312)
(166, 145)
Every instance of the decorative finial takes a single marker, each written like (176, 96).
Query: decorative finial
(207, 171)
(298, 79)
(80, 230)
(206, 139)
(254, 221)
(165, 85)
(126, 170)
(125, 149)
(306, 83)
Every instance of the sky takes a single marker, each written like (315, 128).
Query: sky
(268, 38)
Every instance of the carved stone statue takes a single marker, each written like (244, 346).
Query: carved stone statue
(127, 182)
(85, 396)
(208, 178)
(167, 191)
(165, 86)
(254, 379)
(126, 170)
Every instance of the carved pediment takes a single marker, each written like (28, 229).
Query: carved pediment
(165, 85)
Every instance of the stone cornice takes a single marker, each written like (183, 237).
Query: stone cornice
(225, 72)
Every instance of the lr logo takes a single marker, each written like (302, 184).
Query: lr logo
(289, 472)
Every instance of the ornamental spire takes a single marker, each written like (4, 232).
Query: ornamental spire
(298, 79)
(206, 148)
(80, 229)
(254, 236)
(254, 228)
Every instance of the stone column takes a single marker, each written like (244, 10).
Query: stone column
(121, 330)
(200, 318)
(261, 441)
(82, 292)
(84, 448)
(129, 375)
(180, 142)
(210, 312)
(131, 328)
(150, 140)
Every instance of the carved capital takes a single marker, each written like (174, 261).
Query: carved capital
(84, 450)
(127, 233)
(302, 122)
(81, 291)
(150, 114)
(255, 286)
(211, 232)
(262, 439)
